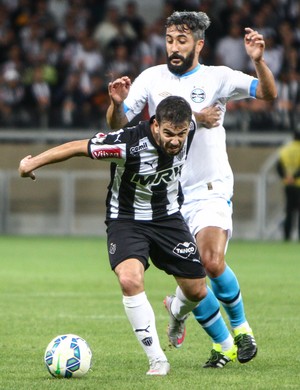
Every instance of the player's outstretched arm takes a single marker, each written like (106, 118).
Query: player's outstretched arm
(51, 156)
(118, 91)
(255, 47)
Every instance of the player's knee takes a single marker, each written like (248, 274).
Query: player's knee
(131, 284)
(213, 262)
(197, 293)
(201, 293)
(131, 276)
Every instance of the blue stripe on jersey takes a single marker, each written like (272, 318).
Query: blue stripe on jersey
(190, 72)
(125, 108)
(253, 88)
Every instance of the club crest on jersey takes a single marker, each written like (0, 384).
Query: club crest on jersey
(112, 248)
(100, 138)
(185, 249)
(198, 95)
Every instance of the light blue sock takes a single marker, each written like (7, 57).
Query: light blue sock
(207, 313)
(226, 288)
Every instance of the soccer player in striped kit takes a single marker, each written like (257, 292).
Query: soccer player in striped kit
(143, 218)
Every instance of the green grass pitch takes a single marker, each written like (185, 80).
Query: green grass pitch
(51, 285)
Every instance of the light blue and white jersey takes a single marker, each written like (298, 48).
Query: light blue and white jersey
(207, 171)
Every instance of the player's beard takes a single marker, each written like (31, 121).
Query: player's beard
(186, 62)
(168, 149)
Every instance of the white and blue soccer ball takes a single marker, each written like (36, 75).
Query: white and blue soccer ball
(68, 356)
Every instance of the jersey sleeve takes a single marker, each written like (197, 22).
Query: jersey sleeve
(110, 146)
(238, 85)
(138, 95)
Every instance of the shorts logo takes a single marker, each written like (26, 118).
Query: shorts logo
(198, 95)
(185, 249)
(112, 248)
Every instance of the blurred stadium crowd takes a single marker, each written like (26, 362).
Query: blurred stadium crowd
(57, 56)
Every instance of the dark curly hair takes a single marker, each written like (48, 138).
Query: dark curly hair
(196, 22)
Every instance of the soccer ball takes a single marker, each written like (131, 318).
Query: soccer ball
(68, 356)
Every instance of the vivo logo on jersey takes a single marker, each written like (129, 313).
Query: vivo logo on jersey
(107, 153)
(164, 176)
(185, 249)
(198, 95)
(138, 148)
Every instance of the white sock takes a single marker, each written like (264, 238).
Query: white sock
(244, 325)
(227, 344)
(181, 306)
(141, 317)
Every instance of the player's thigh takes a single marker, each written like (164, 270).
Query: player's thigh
(125, 240)
(212, 241)
(213, 212)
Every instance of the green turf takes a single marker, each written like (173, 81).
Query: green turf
(50, 286)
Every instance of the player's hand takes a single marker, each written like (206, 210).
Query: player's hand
(209, 117)
(254, 44)
(118, 89)
(25, 168)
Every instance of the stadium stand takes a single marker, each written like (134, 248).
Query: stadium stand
(58, 56)
(54, 70)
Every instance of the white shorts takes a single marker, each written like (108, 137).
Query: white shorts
(208, 212)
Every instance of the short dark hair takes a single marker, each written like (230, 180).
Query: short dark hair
(174, 109)
(196, 22)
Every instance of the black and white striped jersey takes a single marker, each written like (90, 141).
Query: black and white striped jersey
(144, 179)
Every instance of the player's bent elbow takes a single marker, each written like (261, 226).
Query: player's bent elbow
(270, 97)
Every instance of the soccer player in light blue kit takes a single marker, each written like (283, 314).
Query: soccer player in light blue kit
(207, 178)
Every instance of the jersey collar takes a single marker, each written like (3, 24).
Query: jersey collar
(188, 73)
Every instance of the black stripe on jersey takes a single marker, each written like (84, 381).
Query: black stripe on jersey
(191, 136)
(127, 193)
(126, 187)
(113, 167)
(159, 200)
(180, 195)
